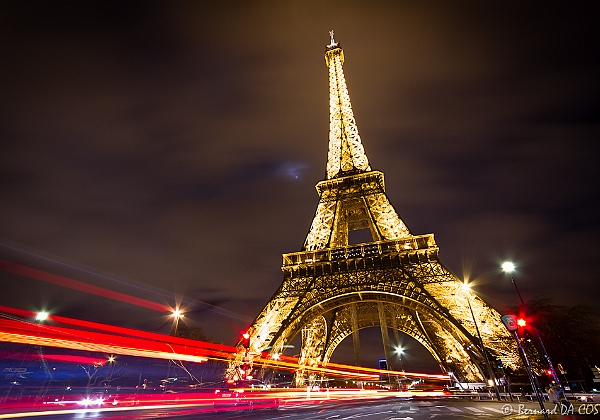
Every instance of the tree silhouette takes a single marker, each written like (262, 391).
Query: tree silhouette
(571, 335)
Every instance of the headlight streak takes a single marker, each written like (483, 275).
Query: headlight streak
(202, 402)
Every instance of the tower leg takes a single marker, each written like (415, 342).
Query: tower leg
(387, 348)
(355, 337)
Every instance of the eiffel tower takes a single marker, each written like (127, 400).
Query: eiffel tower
(332, 289)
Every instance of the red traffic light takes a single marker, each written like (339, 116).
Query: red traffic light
(521, 322)
(246, 340)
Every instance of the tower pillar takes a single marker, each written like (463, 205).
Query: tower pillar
(387, 348)
(355, 337)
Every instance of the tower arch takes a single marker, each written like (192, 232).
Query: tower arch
(446, 339)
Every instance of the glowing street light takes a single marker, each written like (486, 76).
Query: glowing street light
(42, 316)
(177, 314)
(400, 352)
(508, 267)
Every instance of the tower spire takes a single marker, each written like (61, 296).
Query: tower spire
(332, 43)
(346, 153)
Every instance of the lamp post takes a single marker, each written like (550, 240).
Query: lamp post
(111, 361)
(509, 267)
(400, 352)
(177, 314)
(246, 360)
(40, 317)
(466, 288)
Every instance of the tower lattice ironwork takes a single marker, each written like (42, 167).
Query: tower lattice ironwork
(332, 289)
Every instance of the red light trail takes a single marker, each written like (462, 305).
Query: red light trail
(126, 341)
(36, 274)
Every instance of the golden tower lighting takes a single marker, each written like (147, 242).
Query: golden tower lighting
(332, 289)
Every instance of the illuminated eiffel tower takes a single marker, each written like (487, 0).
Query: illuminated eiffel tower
(332, 289)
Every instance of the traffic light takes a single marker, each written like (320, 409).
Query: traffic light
(521, 322)
(245, 370)
(246, 340)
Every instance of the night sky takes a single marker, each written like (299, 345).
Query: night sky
(171, 149)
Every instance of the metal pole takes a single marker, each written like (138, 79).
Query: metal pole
(170, 360)
(537, 336)
(564, 374)
(507, 380)
(532, 378)
(487, 360)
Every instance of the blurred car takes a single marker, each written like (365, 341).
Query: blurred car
(230, 397)
(245, 395)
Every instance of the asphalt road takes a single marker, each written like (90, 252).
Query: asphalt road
(387, 409)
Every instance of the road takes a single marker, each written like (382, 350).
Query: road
(380, 409)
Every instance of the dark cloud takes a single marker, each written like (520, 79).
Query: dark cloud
(167, 149)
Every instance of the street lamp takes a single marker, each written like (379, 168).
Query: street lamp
(509, 268)
(42, 316)
(400, 352)
(177, 314)
(466, 288)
